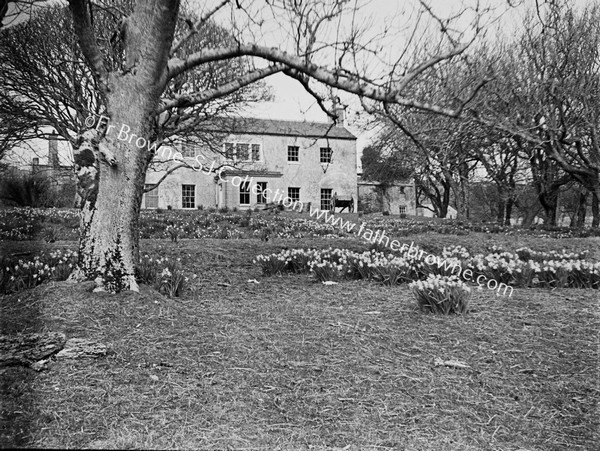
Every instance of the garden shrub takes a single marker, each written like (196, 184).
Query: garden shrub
(441, 294)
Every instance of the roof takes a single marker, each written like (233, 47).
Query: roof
(399, 183)
(255, 126)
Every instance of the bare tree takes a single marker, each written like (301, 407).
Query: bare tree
(132, 88)
(546, 95)
(47, 87)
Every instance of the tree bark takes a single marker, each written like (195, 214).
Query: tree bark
(109, 243)
(501, 210)
(596, 208)
(509, 207)
(109, 239)
(578, 219)
(549, 203)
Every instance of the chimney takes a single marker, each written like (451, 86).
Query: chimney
(53, 151)
(339, 111)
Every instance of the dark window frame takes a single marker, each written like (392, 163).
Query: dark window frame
(245, 193)
(294, 195)
(325, 154)
(293, 154)
(326, 196)
(186, 196)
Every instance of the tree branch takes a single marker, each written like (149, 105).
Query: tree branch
(195, 26)
(345, 82)
(165, 175)
(87, 40)
(221, 91)
(304, 82)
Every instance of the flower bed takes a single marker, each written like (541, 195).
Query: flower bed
(392, 269)
(166, 276)
(18, 274)
(62, 224)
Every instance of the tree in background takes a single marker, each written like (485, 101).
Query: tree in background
(46, 85)
(132, 91)
(545, 94)
(535, 120)
(384, 167)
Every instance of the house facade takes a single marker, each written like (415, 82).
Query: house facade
(395, 198)
(260, 162)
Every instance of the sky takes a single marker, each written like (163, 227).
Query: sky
(292, 102)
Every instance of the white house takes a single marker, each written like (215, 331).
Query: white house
(260, 161)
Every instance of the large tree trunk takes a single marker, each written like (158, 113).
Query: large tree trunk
(109, 242)
(109, 247)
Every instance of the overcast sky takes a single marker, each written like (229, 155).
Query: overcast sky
(291, 102)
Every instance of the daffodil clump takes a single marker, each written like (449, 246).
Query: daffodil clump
(393, 269)
(441, 294)
(459, 252)
(17, 274)
(541, 269)
(164, 274)
(332, 264)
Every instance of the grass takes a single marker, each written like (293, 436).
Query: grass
(292, 364)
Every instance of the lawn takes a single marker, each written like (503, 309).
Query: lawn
(290, 363)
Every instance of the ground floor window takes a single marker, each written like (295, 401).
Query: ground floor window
(245, 193)
(188, 196)
(261, 196)
(294, 193)
(326, 198)
(402, 209)
(151, 197)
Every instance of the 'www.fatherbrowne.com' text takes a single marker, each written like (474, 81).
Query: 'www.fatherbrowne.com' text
(411, 251)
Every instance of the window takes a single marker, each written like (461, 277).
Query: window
(188, 151)
(188, 196)
(326, 154)
(325, 198)
(151, 197)
(255, 152)
(402, 209)
(261, 196)
(402, 190)
(294, 193)
(241, 151)
(245, 193)
(293, 153)
(36, 161)
(229, 150)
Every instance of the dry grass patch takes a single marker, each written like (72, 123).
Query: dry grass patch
(292, 364)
